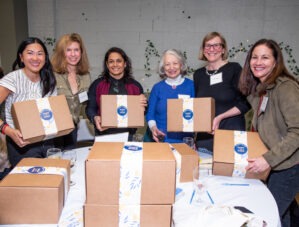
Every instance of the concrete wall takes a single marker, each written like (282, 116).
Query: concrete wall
(177, 24)
(14, 28)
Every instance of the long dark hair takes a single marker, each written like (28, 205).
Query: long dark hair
(248, 82)
(47, 77)
(128, 74)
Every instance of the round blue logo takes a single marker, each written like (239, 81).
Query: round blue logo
(46, 114)
(133, 148)
(241, 148)
(188, 114)
(36, 170)
(122, 111)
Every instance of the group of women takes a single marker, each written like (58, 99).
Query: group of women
(264, 82)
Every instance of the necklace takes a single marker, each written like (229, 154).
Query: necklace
(211, 74)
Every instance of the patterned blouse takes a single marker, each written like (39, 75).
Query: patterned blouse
(64, 88)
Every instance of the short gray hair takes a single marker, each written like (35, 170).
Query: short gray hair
(178, 54)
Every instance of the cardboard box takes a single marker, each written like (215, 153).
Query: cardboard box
(120, 115)
(223, 154)
(189, 160)
(33, 198)
(107, 215)
(103, 174)
(28, 119)
(203, 114)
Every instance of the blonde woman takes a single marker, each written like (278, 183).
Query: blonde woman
(71, 68)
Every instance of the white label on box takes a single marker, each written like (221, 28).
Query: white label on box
(188, 115)
(182, 96)
(44, 170)
(241, 153)
(131, 164)
(47, 118)
(178, 159)
(122, 111)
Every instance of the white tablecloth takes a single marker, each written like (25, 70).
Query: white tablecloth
(255, 197)
(226, 191)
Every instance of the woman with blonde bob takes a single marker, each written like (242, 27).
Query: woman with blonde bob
(274, 96)
(219, 79)
(71, 68)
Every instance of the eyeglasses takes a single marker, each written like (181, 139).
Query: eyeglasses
(216, 46)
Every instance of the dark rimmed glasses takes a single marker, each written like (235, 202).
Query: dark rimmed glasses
(216, 46)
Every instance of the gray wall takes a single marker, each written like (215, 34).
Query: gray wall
(14, 28)
(177, 24)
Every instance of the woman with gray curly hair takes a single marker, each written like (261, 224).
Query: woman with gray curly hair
(172, 69)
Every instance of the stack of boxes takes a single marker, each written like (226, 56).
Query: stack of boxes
(103, 198)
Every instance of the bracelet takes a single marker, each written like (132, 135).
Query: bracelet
(3, 128)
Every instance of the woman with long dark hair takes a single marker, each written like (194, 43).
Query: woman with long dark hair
(116, 79)
(274, 96)
(33, 79)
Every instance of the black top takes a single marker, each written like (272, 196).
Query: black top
(226, 95)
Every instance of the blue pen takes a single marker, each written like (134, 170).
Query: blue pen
(192, 196)
(233, 184)
(210, 197)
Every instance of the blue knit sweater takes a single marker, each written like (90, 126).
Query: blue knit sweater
(157, 106)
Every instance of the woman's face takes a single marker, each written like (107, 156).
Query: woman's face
(172, 66)
(213, 49)
(34, 59)
(262, 62)
(116, 65)
(73, 53)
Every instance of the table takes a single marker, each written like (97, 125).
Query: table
(256, 197)
(227, 191)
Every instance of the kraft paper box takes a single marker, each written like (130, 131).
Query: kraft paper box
(121, 111)
(225, 148)
(38, 121)
(34, 198)
(189, 160)
(103, 174)
(195, 118)
(107, 215)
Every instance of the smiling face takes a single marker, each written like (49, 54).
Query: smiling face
(262, 62)
(172, 66)
(116, 65)
(34, 59)
(213, 49)
(73, 53)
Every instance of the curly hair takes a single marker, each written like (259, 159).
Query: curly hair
(178, 54)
